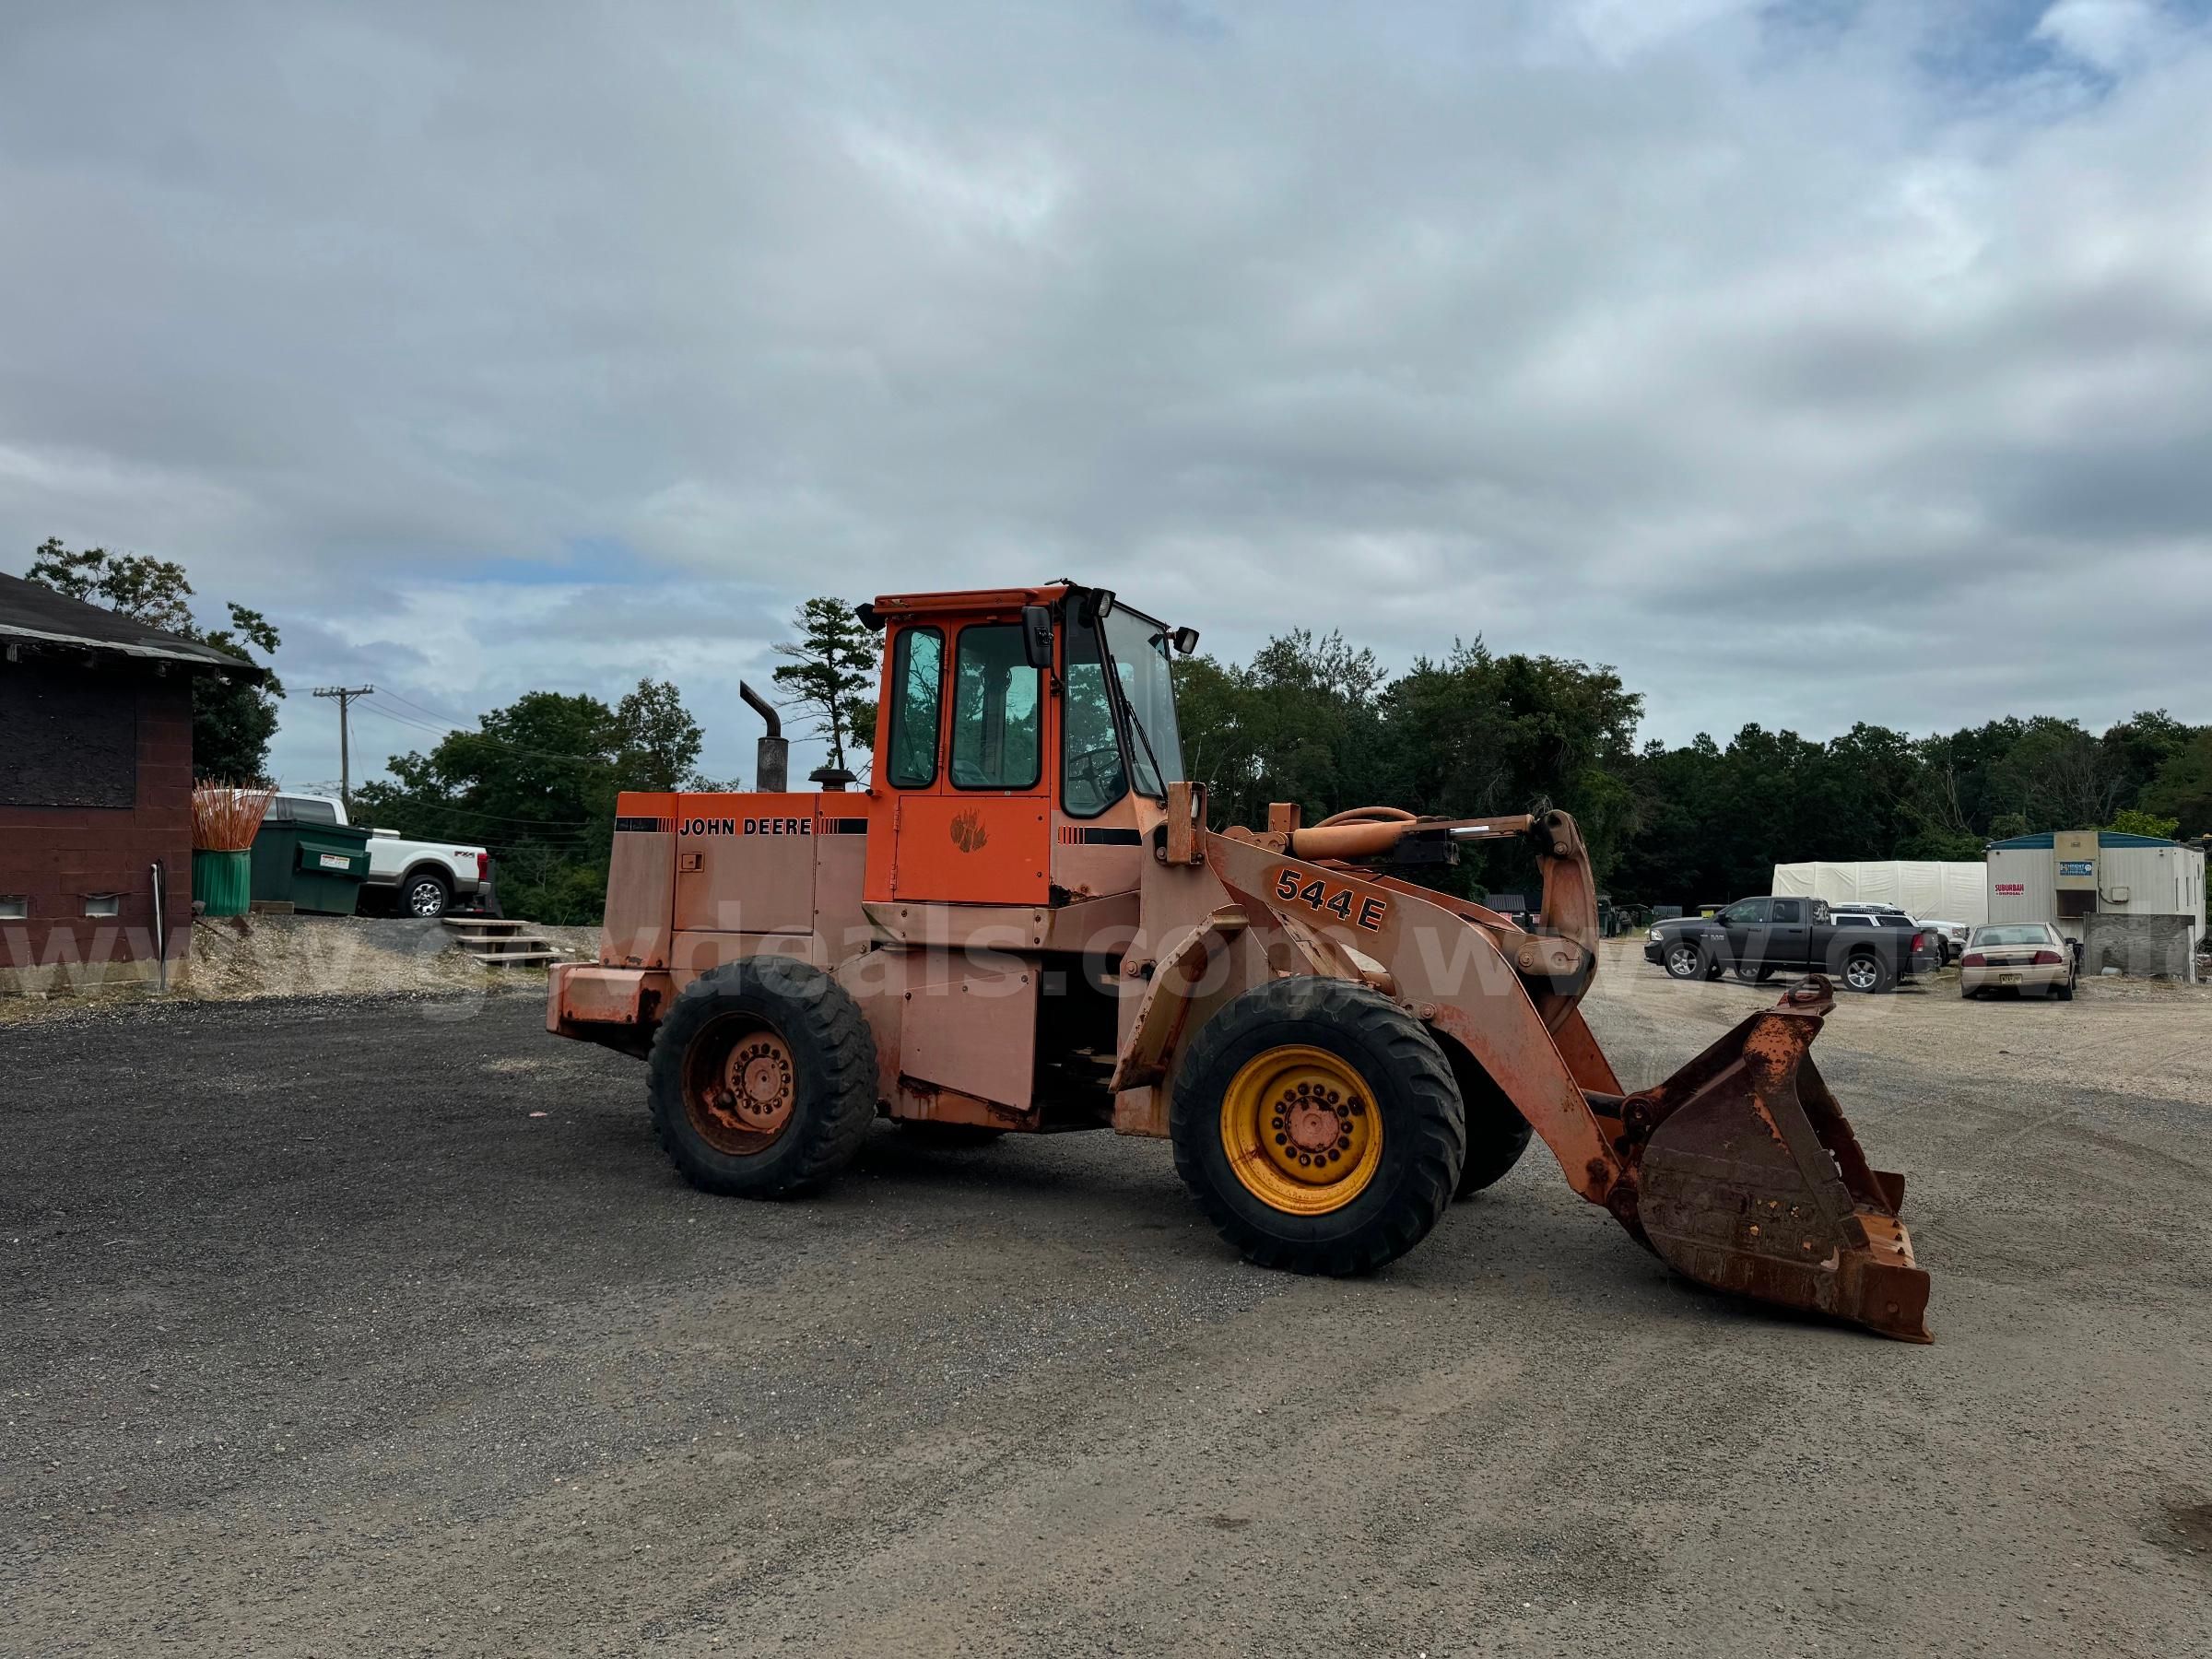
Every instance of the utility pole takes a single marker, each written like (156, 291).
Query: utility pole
(345, 694)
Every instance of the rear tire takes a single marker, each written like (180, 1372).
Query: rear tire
(2064, 992)
(425, 896)
(1863, 970)
(762, 1079)
(1348, 1131)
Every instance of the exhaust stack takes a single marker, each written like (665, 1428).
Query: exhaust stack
(772, 760)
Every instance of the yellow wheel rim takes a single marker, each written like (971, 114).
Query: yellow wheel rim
(1301, 1129)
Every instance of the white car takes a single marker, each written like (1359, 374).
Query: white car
(2017, 956)
(1953, 935)
(423, 878)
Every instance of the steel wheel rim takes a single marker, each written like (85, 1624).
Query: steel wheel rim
(1682, 961)
(1302, 1131)
(740, 1086)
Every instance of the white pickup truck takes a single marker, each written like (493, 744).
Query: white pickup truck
(422, 879)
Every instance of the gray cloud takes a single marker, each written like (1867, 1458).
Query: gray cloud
(1843, 338)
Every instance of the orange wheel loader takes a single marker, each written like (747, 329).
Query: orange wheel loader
(1025, 922)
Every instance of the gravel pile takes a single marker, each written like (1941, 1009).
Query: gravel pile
(237, 958)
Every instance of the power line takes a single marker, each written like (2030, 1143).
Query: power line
(499, 743)
(411, 703)
(401, 720)
(504, 818)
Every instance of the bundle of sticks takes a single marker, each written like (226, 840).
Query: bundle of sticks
(225, 817)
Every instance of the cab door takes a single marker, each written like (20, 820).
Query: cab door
(1789, 942)
(969, 729)
(1746, 924)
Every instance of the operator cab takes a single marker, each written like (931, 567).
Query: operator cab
(1027, 738)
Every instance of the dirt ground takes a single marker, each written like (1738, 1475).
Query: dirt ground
(345, 1325)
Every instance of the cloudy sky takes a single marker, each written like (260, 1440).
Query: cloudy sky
(1809, 361)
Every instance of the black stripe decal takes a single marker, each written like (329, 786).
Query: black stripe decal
(845, 826)
(644, 826)
(1111, 838)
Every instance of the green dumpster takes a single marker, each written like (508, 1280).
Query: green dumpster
(317, 867)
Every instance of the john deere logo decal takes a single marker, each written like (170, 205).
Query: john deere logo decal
(968, 832)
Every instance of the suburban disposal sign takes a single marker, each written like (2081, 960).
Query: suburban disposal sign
(2011, 889)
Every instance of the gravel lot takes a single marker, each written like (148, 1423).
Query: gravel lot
(380, 1325)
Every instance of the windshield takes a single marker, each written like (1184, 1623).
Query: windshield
(1139, 649)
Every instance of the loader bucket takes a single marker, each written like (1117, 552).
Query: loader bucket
(1749, 1178)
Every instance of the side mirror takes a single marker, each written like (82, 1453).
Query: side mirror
(1185, 640)
(1037, 635)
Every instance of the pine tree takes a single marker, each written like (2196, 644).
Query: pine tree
(831, 675)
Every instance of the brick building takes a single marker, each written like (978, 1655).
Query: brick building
(95, 790)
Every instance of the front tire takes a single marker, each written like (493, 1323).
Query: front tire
(1319, 1126)
(762, 1079)
(1683, 961)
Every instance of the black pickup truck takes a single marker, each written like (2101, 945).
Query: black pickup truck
(1757, 938)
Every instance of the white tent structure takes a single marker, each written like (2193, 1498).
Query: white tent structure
(1926, 891)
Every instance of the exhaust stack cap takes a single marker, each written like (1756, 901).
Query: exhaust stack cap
(834, 780)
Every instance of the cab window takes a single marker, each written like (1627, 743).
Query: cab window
(917, 693)
(1744, 911)
(1091, 774)
(998, 710)
(1789, 909)
(300, 810)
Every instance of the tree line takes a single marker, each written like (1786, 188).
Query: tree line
(1474, 733)
(1309, 718)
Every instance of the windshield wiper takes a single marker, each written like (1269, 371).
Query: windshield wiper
(1159, 774)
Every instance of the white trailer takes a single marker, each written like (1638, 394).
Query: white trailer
(1925, 890)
